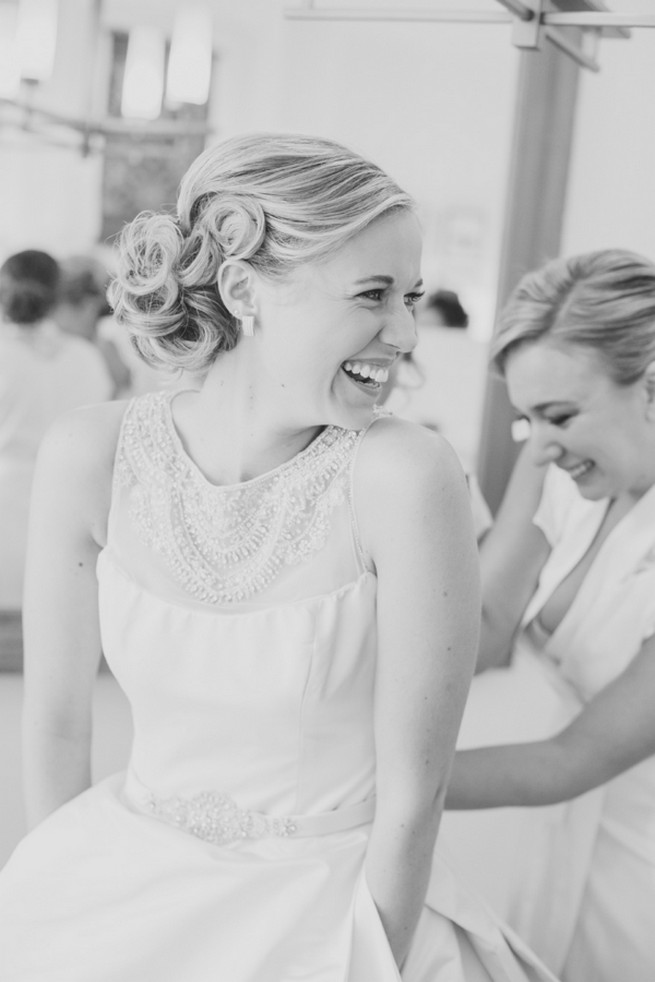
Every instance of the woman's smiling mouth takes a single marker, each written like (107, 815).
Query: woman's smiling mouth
(580, 469)
(366, 374)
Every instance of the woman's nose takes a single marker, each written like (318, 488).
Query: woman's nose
(544, 444)
(399, 330)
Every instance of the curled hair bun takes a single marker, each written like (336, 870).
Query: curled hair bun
(238, 226)
(150, 250)
(165, 293)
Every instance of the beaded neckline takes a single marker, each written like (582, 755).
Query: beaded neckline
(225, 544)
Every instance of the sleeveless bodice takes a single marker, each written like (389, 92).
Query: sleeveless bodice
(240, 621)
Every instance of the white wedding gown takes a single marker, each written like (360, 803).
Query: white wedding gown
(240, 622)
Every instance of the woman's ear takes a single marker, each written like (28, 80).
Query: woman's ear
(236, 285)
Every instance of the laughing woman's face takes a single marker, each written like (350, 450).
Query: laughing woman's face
(331, 331)
(602, 434)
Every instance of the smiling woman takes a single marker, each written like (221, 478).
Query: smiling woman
(569, 608)
(284, 582)
(581, 419)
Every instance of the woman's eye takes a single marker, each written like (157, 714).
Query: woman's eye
(561, 420)
(411, 299)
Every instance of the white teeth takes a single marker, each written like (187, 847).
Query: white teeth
(364, 370)
(581, 469)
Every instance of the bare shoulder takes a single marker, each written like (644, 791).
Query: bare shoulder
(75, 466)
(409, 491)
(401, 458)
(87, 437)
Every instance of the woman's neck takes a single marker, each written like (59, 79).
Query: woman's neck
(230, 434)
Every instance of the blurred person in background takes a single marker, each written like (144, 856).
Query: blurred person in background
(43, 372)
(81, 307)
(83, 310)
(443, 309)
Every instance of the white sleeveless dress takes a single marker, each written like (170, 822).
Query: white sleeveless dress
(240, 621)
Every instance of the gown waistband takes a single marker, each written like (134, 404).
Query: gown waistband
(215, 816)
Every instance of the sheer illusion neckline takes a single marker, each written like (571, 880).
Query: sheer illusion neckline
(227, 543)
(312, 450)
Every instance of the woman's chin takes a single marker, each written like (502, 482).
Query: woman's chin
(353, 407)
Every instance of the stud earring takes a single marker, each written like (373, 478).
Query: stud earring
(248, 325)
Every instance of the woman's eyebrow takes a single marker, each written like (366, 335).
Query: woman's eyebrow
(540, 407)
(386, 280)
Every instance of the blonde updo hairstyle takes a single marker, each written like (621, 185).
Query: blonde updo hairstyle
(603, 300)
(275, 201)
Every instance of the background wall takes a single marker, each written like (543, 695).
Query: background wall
(611, 200)
(432, 102)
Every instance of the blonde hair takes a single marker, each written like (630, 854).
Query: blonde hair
(603, 300)
(273, 200)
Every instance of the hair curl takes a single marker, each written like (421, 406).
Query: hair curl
(604, 300)
(29, 281)
(275, 201)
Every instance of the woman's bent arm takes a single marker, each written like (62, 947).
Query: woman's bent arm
(615, 731)
(70, 500)
(512, 554)
(416, 524)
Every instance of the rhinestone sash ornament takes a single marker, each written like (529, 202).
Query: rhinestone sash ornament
(226, 544)
(215, 817)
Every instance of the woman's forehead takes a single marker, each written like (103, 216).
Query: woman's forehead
(543, 371)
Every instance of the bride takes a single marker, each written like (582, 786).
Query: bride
(284, 584)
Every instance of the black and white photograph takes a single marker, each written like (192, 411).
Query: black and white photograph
(327, 491)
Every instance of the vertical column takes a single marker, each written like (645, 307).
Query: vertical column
(536, 196)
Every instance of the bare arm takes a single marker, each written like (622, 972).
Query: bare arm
(615, 731)
(70, 501)
(512, 554)
(416, 522)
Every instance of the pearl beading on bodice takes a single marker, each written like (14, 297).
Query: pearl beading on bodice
(226, 544)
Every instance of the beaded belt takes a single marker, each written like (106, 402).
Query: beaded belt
(215, 817)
